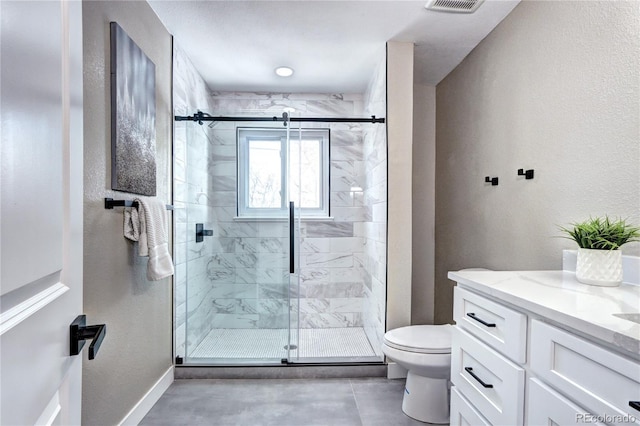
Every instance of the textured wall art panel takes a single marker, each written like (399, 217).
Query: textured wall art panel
(133, 116)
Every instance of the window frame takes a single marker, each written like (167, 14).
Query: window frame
(244, 135)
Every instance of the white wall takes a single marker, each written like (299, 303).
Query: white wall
(400, 139)
(423, 212)
(554, 88)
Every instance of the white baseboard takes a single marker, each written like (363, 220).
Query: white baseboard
(143, 406)
(394, 371)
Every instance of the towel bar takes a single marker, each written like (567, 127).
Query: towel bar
(110, 203)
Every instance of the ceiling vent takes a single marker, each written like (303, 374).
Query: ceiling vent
(455, 6)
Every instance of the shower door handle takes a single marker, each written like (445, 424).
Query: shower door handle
(201, 232)
(291, 239)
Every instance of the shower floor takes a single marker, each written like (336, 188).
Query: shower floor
(230, 343)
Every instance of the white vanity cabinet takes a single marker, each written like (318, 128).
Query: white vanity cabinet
(547, 407)
(598, 379)
(480, 368)
(522, 357)
(502, 328)
(463, 412)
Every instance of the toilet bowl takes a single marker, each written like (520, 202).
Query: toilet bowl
(425, 351)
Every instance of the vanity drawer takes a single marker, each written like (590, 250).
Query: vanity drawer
(547, 407)
(491, 383)
(498, 326)
(463, 413)
(594, 377)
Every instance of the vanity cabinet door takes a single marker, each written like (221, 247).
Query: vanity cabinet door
(594, 377)
(547, 407)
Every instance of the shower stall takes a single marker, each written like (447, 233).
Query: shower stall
(280, 231)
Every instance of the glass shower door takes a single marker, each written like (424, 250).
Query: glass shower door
(294, 171)
(308, 183)
(293, 337)
(274, 282)
(235, 284)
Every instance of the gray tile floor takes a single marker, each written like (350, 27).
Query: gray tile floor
(282, 402)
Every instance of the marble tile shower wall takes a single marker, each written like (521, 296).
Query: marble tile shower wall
(250, 273)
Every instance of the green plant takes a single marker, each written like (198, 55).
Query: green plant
(602, 233)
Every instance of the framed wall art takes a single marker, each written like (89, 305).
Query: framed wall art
(133, 116)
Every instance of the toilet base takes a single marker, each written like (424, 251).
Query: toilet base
(426, 399)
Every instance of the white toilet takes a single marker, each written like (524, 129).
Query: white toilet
(425, 351)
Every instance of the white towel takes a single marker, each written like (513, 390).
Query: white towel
(135, 229)
(131, 224)
(148, 226)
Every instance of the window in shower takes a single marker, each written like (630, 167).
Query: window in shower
(270, 175)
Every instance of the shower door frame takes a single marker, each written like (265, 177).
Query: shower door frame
(293, 280)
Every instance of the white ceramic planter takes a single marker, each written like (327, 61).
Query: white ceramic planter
(599, 267)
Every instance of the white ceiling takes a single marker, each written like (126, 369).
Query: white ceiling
(332, 45)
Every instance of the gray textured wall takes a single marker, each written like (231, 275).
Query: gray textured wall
(424, 177)
(137, 348)
(554, 88)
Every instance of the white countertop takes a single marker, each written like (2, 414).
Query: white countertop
(558, 296)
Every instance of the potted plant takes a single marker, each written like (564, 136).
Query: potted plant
(599, 260)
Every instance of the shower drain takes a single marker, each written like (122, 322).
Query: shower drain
(291, 347)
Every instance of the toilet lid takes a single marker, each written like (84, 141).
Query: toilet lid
(430, 339)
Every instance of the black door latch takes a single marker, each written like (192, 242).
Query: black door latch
(80, 333)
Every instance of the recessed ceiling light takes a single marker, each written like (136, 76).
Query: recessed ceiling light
(284, 71)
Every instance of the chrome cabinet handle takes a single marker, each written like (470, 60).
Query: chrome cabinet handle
(474, 317)
(478, 379)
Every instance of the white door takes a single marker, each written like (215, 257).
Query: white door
(41, 210)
